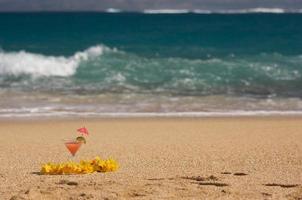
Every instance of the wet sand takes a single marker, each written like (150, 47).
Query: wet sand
(160, 158)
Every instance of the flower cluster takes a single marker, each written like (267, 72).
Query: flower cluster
(84, 167)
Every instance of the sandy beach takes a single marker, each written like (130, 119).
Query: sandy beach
(160, 158)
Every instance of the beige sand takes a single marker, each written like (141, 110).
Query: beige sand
(159, 158)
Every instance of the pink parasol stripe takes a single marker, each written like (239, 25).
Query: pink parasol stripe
(83, 131)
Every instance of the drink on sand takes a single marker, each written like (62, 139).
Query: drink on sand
(73, 146)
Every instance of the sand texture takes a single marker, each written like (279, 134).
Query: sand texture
(170, 158)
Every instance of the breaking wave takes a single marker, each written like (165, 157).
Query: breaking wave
(101, 69)
(25, 63)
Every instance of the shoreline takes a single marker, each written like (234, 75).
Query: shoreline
(176, 115)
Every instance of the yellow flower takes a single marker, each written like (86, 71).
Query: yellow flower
(84, 167)
(46, 169)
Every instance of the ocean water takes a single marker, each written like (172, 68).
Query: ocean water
(136, 64)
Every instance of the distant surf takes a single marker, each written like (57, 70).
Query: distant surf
(259, 10)
(166, 11)
(113, 10)
(229, 11)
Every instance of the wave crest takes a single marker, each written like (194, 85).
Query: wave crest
(229, 11)
(120, 71)
(166, 11)
(25, 63)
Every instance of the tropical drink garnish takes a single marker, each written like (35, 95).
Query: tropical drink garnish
(83, 131)
(74, 145)
(81, 139)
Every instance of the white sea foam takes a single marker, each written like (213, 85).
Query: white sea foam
(41, 114)
(22, 62)
(230, 11)
(165, 11)
(246, 11)
(266, 10)
(113, 10)
(198, 11)
(254, 10)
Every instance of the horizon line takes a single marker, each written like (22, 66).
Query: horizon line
(258, 10)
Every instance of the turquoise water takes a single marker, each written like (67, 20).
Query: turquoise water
(100, 63)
